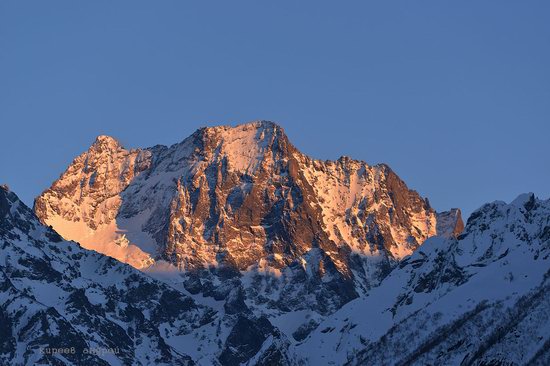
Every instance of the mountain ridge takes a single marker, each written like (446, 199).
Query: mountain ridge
(481, 298)
(61, 304)
(244, 199)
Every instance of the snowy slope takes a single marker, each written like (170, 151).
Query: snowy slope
(55, 295)
(480, 299)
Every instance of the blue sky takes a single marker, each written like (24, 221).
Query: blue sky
(453, 95)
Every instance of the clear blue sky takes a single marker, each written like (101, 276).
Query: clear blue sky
(453, 95)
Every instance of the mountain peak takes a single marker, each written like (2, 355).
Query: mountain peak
(265, 125)
(245, 147)
(4, 202)
(105, 142)
(244, 190)
(261, 124)
(524, 200)
(258, 124)
(450, 223)
(254, 128)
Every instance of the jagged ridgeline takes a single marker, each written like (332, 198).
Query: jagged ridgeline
(244, 199)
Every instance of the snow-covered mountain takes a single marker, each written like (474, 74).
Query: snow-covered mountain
(480, 299)
(251, 253)
(292, 232)
(64, 305)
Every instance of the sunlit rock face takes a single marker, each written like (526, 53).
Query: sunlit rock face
(84, 202)
(244, 200)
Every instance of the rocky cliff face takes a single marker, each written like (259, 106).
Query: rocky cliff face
(244, 200)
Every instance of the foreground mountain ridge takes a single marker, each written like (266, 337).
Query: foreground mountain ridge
(244, 198)
(480, 299)
(64, 305)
